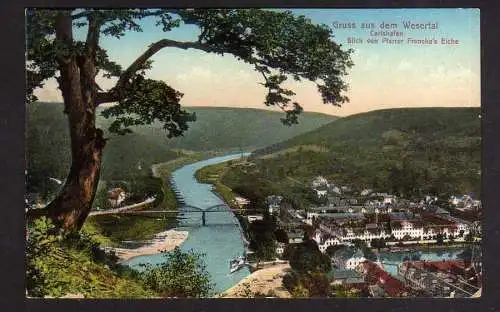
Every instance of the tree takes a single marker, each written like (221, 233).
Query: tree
(440, 239)
(277, 44)
(306, 258)
(183, 274)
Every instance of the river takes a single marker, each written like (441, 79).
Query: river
(220, 240)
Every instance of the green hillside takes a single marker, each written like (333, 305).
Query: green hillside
(229, 129)
(407, 151)
(216, 129)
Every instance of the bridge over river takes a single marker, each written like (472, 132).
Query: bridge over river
(220, 208)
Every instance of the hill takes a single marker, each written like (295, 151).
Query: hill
(407, 151)
(216, 129)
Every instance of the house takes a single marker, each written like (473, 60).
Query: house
(319, 181)
(346, 189)
(116, 196)
(366, 192)
(280, 249)
(389, 199)
(376, 276)
(321, 193)
(334, 189)
(295, 237)
(347, 258)
(352, 201)
(346, 277)
(334, 200)
(406, 228)
(252, 218)
(273, 203)
(436, 210)
(240, 201)
(327, 241)
(461, 200)
(34, 200)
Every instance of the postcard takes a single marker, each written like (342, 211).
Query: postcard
(245, 153)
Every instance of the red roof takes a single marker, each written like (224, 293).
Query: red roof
(445, 266)
(392, 286)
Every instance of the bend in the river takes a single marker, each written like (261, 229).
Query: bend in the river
(220, 240)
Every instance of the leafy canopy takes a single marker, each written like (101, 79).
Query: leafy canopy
(279, 45)
(182, 274)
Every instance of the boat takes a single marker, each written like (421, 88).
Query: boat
(236, 264)
(241, 261)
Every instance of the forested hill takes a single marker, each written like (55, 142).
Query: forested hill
(221, 128)
(406, 150)
(216, 129)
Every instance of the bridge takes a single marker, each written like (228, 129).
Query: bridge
(193, 209)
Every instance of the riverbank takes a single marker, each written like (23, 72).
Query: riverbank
(162, 242)
(266, 282)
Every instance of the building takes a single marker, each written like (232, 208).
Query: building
(389, 199)
(347, 258)
(453, 278)
(252, 218)
(412, 229)
(319, 181)
(346, 277)
(366, 192)
(295, 236)
(385, 284)
(280, 249)
(273, 203)
(116, 196)
(325, 241)
(321, 193)
(240, 201)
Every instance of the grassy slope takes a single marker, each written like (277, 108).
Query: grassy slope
(216, 129)
(443, 145)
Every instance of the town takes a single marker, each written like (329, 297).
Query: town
(355, 228)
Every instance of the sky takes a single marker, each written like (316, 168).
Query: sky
(408, 73)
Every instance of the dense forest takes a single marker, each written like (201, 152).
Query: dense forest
(48, 153)
(409, 151)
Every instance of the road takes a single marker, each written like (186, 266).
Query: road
(122, 209)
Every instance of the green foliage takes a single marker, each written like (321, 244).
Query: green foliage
(340, 291)
(330, 250)
(163, 106)
(407, 151)
(278, 45)
(144, 186)
(367, 251)
(183, 274)
(47, 127)
(119, 228)
(306, 258)
(378, 243)
(300, 292)
(101, 197)
(262, 238)
(439, 239)
(307, 284)
(60, 263)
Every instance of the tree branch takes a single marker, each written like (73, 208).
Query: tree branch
(107, 97)
(115, 94)
(79, 15)
(153, 49)
(92, 34)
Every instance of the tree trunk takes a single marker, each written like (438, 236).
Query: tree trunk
(74, 202)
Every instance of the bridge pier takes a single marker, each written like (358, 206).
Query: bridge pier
(203, 220)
